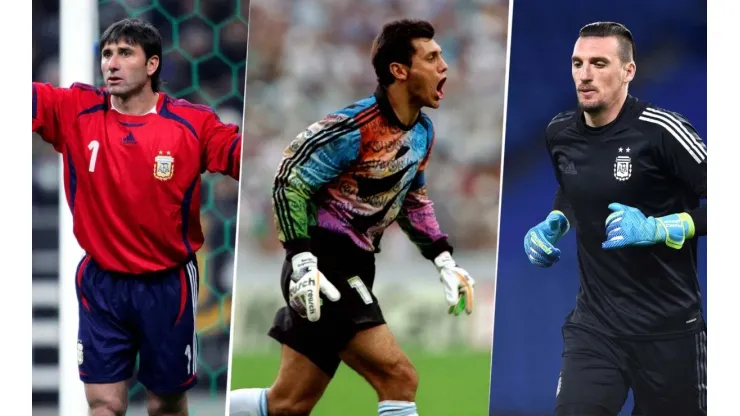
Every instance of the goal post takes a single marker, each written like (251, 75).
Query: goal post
(78, 27)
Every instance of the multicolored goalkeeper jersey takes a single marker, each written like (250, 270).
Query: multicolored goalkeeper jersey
(355, 172)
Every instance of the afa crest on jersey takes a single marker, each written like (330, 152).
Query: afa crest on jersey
(164, 166)
(622, 166)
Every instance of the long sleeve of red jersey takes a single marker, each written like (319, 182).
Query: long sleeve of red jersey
(221, 146)
(48, 102)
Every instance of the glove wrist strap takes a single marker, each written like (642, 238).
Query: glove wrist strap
(677, 228)
(303, 259)
(444, 260)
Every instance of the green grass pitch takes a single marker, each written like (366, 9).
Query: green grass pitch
(453, 383)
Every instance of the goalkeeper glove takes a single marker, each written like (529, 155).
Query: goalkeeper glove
(539, 243)
(306, 282)
(627, 226)
(457, 283)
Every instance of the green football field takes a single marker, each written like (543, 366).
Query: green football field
(449, 384)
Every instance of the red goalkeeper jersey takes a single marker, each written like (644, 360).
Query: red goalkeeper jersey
(133, 182)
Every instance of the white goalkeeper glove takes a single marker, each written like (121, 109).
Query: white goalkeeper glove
(305, 284)
(457, 283)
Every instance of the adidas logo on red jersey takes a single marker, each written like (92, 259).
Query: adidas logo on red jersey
(129, 139)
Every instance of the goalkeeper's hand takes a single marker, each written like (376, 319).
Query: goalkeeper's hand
(628, 226)
(457, 283)
(306, 283)
(539, 243)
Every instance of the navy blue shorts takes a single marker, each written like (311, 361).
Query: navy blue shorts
(152, 315)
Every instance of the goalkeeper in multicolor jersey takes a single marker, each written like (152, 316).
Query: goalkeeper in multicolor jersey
(341, 183)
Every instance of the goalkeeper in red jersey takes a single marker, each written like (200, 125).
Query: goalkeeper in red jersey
(133, 158)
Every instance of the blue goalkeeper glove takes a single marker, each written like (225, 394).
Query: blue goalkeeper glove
(539, 244)
(628, 226)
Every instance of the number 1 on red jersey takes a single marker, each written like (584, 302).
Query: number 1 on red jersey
(94, 146)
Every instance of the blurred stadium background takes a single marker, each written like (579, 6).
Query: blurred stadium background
(532, 303)
(308, 58)
(204, 62)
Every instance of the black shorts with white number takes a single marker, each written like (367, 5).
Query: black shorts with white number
(352, 271)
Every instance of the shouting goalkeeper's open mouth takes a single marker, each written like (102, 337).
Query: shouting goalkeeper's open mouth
(440, 88)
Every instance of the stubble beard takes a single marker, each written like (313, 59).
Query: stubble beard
(128, 91)
(592, 108)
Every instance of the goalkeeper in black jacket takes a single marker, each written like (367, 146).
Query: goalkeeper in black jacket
(631, 178)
